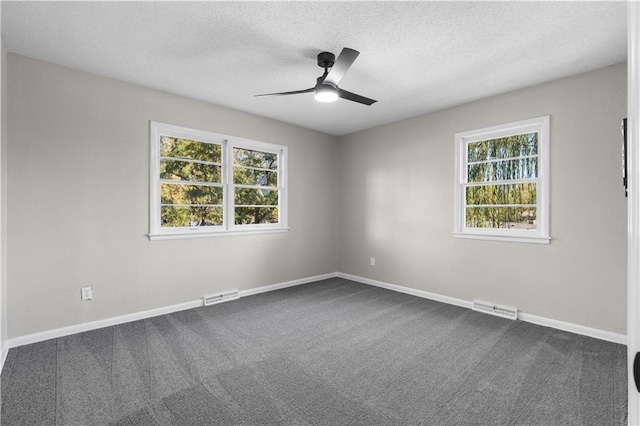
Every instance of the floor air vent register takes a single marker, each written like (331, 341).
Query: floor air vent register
(225, 296)
(497, 310)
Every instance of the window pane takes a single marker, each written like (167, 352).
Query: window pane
(508, 147)
(187, 148)
(520, 193)
(249, 158)
(190, 194)
(255, 177)
(255, 215)
(524, 168)
(253, 197)
(178, 216)
(501, 217)
(195, 172)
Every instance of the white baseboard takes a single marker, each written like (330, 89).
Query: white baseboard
(408, 290)
(4, 351)
(534, 319)
(108, 322)
(94, 325)
(264, 289)
(574, 328)
(78, 328)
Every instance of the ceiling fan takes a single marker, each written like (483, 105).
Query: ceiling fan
(326, 88)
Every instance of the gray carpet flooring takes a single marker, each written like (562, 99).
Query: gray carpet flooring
(334, 352)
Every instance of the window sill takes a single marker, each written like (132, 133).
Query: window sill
(507, 238)
(188, 235)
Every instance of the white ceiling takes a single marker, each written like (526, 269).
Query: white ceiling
(415, 57)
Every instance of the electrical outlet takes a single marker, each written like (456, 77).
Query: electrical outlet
(373, 261)
(86, 293)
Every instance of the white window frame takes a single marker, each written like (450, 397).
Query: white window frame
(540, 235)
(228, 143)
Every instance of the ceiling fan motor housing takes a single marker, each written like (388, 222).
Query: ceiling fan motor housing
(320, 82)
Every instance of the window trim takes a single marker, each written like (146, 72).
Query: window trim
(281, 151)
(227, 143)
(541, 125)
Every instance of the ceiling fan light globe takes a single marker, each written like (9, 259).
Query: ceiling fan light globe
(326, 94)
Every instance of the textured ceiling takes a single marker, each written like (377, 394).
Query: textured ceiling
(415, 57)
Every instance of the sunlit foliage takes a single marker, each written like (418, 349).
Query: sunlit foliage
(259, 202)
(503, 190)
(192, 190)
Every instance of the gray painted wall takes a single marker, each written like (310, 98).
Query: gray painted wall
(78, 202)
(396, 204)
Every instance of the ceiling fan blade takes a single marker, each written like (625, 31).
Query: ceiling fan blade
(295, 92)
(341, 66)
(355, 98)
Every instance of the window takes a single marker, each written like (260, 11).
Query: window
(502, 182)
(206, 184)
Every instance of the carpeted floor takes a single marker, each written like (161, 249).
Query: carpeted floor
(333, 352)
